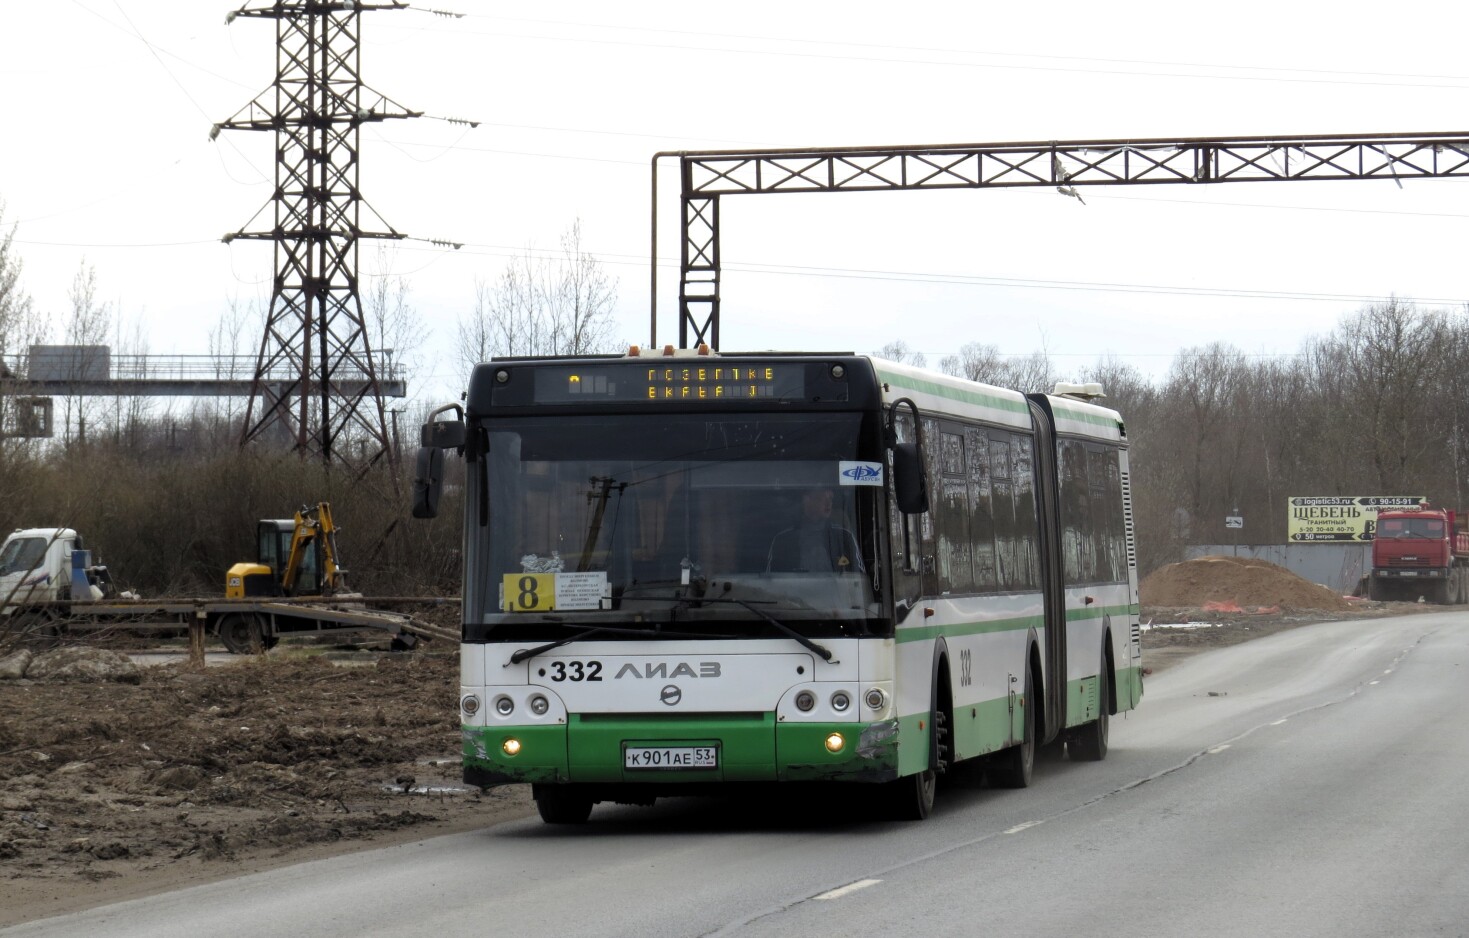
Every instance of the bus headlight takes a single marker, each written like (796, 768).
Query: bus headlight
(539, 705)
(504, 706)
(805, 700)
(469, 703)
(840, 701)
(875, 698)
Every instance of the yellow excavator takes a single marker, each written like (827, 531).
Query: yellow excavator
(297, 557)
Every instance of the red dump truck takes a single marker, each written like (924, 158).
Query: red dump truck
(1420, 553)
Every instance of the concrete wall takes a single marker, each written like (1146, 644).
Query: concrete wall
(1339, 566)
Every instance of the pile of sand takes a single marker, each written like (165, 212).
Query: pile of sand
(1243, 582)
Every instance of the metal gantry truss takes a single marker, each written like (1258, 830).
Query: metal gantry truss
(706, 176)
(330, 403)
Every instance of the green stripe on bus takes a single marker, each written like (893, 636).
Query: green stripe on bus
(922, 633)
(954, 394)
(1100, 420)
(1082, 613)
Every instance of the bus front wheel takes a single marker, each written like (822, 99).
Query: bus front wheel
(911, 797)
(561, 804)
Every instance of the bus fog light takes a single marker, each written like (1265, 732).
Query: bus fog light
(875, 698)
(469, 703)
(511, 746)
(539, 705)
(840, 701)
(504, 706)
(805, 700)
(835, 742)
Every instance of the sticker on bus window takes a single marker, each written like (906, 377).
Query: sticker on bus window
(543, 592)
(529, 592)
(584, 590)
(853, 472)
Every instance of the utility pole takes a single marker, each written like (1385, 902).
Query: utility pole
(316, 385)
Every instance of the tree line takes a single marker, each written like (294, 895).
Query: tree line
(1378, 406)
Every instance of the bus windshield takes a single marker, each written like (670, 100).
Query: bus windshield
(651, 517)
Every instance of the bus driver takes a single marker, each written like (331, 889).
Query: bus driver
(815, 544)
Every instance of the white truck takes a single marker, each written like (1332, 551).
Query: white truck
(47, 564)
(49, 586)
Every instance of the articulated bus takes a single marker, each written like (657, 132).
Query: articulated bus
(686, 569)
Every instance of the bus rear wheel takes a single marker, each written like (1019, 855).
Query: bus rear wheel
(1013, 767)
(1088, 742)
(561, 804)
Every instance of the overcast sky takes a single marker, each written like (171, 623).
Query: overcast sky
(107, 162)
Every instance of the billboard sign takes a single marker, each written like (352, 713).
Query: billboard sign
(1330, 519)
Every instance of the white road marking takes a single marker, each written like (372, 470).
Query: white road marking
(1374, 682)
(847, 889)
(1020, 827)
(1218, 749)
(1277, 722)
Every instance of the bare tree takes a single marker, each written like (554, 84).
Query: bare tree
(87, 326)
(19, 324)
(579, 298)
(541, 306)
(1204, 392)
(898, 351)
(232, 354)
(985, 364)
(130, 414)
(395, 330)
(1394, 361)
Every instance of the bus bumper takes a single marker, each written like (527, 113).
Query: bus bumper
(752, 748)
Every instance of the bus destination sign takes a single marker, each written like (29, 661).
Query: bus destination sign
(670, 383)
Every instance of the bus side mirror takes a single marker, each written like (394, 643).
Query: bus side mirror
(435, 437)
(442, 434)
(909, 483)
(428, 484)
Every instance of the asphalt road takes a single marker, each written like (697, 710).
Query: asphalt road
(1310, 783)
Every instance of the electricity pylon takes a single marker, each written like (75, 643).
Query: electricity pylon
(316, 384)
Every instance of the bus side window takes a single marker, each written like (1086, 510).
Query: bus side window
(1106, 513)
(905, 529)
(1076, 539)
(981, 516)
(956, 572)
(1027, 520)
(1002, 495)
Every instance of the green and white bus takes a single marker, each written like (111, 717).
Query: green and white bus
(686, 569)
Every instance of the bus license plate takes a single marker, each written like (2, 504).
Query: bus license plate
(670, 757)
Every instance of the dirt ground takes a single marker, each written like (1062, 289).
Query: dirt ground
(115, 791)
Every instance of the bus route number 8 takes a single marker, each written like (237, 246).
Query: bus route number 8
(529, 592)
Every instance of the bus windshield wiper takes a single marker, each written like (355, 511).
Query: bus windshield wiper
(653, 630)
(814, 646)
(525, 653)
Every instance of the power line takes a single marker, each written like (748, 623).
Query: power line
(1460, 85)
(901, 276)
(984, 52)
